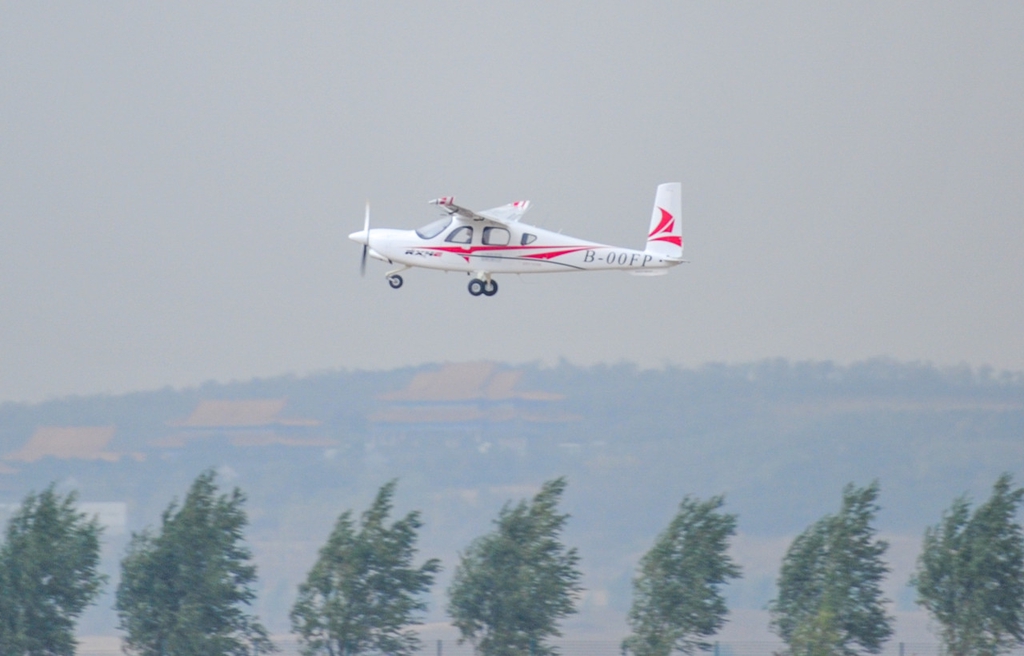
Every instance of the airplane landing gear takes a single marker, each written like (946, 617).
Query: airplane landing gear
(393, 278)
(485, 287)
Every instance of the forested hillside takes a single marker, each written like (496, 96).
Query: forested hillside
(779, 439)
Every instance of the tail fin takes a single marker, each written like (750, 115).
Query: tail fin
(665, 237)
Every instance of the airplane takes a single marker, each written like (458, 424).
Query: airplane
(495, 241)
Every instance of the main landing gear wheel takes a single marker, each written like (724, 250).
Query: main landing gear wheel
(395, 281)
(485, 287)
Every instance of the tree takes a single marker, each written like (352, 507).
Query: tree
(818, 635)
(677, 601)
(970, 574)
(513, 585)
(184, 589)
(48, 575)
(830, 599)
(362, 592)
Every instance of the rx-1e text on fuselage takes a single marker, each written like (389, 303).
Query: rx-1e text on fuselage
(495, 241)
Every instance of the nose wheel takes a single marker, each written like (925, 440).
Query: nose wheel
(393, 278)
(485, 287)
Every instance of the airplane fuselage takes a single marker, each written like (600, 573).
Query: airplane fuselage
(495, 241)
(528, 250)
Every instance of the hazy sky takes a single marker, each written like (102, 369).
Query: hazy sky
(177, 181)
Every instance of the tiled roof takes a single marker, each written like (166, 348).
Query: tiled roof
(240, 414)
(81, 442)
(469, 381)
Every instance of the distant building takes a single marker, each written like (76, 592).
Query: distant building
(247, 422)
(67, 443)
(471, 397)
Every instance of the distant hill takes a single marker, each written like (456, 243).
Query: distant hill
(778, 438)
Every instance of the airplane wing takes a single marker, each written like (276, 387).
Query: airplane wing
(508, 213)
(449, 206)
(505, 214)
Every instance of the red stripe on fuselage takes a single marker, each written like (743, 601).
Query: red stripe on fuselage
(553, 255)
(475, 250)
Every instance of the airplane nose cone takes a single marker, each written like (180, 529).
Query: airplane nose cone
(360, 237)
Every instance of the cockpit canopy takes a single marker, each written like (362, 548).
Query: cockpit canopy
(434, 228)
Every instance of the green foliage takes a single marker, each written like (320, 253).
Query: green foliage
(362, 593)
(819, 635)
(183, 590)
(513, 585)
(830, 599)
(970, 574)
(677, 600)
(48, 575)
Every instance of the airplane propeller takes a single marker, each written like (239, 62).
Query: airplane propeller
(366, 245)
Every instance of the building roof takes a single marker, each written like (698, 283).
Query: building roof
(81, 442)
(246, 413)
(467, 393)
(469, 381)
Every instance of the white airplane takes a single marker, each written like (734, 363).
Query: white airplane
(494, 241)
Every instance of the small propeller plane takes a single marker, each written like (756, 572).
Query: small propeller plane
(494, 241)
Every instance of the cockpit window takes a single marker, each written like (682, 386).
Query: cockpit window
(496, 236)
(434, 228)
(527, 239)
(463, 235)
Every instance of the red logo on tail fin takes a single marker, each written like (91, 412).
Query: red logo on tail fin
(666, 228)
(667, 224)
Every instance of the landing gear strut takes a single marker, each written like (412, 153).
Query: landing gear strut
(394, 279)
